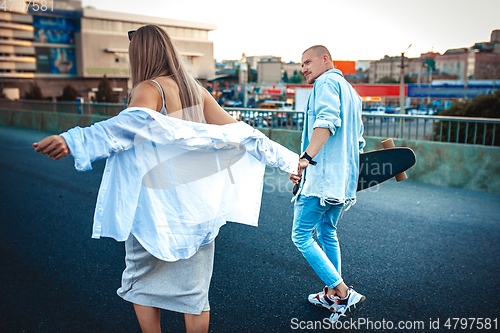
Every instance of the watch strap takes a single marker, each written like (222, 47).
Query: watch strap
(307, 157)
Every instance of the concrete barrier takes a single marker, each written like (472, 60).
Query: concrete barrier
(472, 167)
(47, 121)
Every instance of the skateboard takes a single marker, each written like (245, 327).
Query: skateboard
(378, 166)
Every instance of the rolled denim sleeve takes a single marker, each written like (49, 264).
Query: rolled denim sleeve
(361, 140)
(327, 106)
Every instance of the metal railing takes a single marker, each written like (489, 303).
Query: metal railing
(262, 118)
(481, 131)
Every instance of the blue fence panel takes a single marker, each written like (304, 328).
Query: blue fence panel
(446, 92)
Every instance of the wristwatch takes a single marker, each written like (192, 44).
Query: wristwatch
(307, 157)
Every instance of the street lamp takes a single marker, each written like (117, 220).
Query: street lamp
(402, 84)
(402, 91)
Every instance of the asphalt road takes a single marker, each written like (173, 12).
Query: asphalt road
(419, 253)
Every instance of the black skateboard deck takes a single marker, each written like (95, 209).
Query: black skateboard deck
(378, 166)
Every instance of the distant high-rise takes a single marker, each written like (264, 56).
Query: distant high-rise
(480, 61)
(495, 36)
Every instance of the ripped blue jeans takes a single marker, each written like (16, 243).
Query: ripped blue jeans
(311, 216)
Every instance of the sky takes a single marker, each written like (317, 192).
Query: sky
(350, 29)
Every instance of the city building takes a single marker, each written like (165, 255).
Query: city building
(487, 58)
(67, 44)
(487, 66)
(480, 61)
(253, 61)
(389, 68)
(453, 62)
(269, 71)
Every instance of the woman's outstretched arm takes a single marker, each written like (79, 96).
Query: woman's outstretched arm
(98, 141)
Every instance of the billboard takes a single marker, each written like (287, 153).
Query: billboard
(56, 60)
(346, 67)
(62, 61)
(54, 30)
(378, 89)
(447, 92)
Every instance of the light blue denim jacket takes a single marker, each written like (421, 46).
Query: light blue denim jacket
(334, 104)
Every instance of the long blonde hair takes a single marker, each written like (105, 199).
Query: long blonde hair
(153, 54)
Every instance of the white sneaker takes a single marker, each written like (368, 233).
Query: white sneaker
(321, 299)
(347, 305)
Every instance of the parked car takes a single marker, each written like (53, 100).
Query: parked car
(375, 110)
(421, 112)
(276, 105)
(391, 109)
(234, 104)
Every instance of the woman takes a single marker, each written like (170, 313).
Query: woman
(169, 279)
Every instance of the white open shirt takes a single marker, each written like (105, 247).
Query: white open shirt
(174, 183)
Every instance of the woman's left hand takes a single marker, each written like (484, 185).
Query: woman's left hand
(303, 163)
(53, 146)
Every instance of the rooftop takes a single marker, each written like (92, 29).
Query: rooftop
(117, 16)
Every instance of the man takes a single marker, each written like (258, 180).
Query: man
(331, 142)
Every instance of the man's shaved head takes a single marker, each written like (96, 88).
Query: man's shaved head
(315, 61)
(319, 50)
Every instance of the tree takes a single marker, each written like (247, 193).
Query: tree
(296, 78)
(104, 92)
(252, 75)
(387, 80)
(34, 93)
(284, 79)
(484, 106)
(430, 65)
(70, 94)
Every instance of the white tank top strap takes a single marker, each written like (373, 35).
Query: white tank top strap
(163, 109)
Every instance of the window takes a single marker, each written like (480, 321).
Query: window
(172, 31)
(96, 25)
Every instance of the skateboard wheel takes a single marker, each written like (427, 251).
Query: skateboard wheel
(389, 143)
(402, 176)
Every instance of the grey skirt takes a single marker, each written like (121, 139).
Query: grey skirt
(180, 286)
